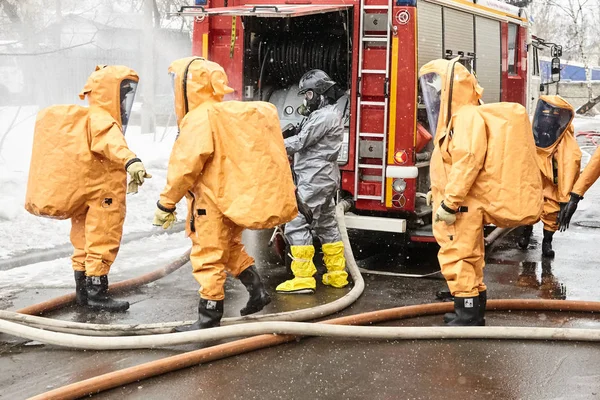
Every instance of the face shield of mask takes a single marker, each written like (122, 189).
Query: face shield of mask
(431, 87)
(549, 122)
(127, 94)
(172, 79)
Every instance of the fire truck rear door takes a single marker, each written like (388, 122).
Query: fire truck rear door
(265, 11)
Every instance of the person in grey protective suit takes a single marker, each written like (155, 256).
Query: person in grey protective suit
(315, 149)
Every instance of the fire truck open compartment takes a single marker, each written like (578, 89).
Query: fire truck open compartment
(278, 51)
(276, 46)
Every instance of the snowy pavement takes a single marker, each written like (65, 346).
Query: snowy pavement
(134, 259)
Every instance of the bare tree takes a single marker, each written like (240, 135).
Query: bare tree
(545, 20)
(595, 43)
(148, 116)
(573, 23)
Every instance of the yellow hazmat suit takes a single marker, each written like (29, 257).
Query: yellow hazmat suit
(559, 163)
(559, 160)
(97, 207)
(79, 167)
(473, 176)
(590, 174)
(218, 162)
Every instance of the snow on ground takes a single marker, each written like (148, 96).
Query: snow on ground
(588, 129)
(134, 259)
(587, 124)
(21, 231)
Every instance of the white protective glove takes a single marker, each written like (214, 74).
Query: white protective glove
(442, 214)
(164, 217)
(429, 198)
(137, 172)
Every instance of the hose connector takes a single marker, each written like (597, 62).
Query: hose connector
(347, 204)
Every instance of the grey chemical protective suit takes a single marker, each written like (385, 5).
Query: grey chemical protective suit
(315, 149)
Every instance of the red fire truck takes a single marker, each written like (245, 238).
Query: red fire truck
(374, 49)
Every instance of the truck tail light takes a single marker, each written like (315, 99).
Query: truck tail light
(399, 185)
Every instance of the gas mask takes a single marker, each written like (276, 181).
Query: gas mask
(311, 103)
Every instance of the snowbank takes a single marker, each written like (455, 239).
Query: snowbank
(21, 231)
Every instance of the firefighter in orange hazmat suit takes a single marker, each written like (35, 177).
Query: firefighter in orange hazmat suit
(97, 228)
(466, 178)
(200, 168)
(559, 159)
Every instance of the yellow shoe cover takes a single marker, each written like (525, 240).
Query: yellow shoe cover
(298, 286)
(302, 261)
(303, 269)
(333, 257)
(337, 279)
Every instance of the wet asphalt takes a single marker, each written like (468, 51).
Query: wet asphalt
(352, 369)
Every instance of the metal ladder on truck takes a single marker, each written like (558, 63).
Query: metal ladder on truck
(372, 19)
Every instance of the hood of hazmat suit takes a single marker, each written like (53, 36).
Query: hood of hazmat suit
(484, 155)
(112, 89)
(84, 146)
(231, 153)
(450, 84)
(195, 82)
(558, 154)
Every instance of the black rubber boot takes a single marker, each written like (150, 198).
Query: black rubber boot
(97, 295)
(80, 289)
(481, 316)
(466, 310)
(547, 244)
(210, 313)
(259, 297)
(525, 238)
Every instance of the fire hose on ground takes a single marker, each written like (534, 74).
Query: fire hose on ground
(173, 363)
(86, 329)
(128, 284)
(283, 332)
(321, 329)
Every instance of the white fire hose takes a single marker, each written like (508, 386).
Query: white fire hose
(87, 337)
(299, 329)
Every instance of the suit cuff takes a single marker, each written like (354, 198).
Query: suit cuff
(165, 209)
(577, 196)
(447, 209)
(133, 160)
